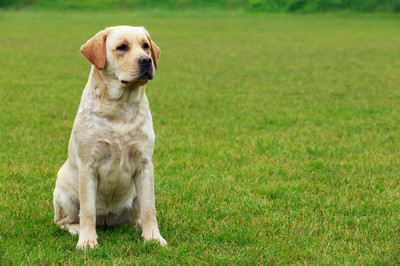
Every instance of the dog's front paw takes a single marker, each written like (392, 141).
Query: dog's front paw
(155, 236)
(86, 244)
(162, 241)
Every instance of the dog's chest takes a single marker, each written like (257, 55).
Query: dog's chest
(126, 147)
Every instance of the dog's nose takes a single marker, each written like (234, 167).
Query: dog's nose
(144, 61)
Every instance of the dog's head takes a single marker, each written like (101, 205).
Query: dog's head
(124, 53)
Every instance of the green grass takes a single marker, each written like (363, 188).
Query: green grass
(277, 137)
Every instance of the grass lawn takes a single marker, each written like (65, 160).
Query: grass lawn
(278, 137)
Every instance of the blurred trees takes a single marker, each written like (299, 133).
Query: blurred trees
(251, 5)
(323, 5)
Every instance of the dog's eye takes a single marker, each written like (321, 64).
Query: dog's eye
(123, 47)
(145, 46)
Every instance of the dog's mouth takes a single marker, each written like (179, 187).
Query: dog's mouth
(146, 76)
(143, 77)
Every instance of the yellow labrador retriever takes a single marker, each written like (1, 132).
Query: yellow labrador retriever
(108, 177)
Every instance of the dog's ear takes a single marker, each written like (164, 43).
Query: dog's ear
(95, 49)
(155, 51)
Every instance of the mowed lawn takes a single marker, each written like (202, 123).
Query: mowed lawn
(278, 137)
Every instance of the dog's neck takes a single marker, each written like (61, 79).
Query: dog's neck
(112, 99)
(112, 89)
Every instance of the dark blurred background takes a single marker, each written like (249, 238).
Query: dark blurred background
(300, 6)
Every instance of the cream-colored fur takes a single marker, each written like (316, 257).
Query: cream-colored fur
(108, 177)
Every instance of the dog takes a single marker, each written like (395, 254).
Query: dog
(108, 178)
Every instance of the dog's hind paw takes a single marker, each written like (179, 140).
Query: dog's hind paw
(73, 229)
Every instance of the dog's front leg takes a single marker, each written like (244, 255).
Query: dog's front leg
(87, 199)
(145, 192)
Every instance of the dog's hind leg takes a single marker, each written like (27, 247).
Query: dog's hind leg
(66, 205)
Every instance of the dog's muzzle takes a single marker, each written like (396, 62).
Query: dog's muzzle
(146, 68)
